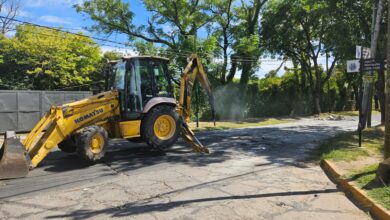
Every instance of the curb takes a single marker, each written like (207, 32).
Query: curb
(376, 210)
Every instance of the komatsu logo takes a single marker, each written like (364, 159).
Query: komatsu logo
(89, 115)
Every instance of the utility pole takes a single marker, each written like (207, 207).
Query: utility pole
(376, 26)
(383, 172)
(387, 111)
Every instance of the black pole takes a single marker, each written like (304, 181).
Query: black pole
(197, 106)
(360, 126)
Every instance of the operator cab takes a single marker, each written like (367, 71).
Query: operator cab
(138, 80)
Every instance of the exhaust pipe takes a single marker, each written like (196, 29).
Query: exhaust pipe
(13, 158)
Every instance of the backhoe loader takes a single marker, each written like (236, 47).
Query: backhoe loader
(138, 105)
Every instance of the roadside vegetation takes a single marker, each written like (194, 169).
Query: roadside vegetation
(346, 113)
(223, 125)
(344, 151)
(234, 39)
(345, 147)
(365, 179)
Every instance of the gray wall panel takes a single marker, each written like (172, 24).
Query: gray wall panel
(29, 101)
(9, 121)
(27, 120)
(8, 101)
(21, 110)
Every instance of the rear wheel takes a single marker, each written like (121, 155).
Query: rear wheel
(68, 145)
(92, 142)
(161, 127)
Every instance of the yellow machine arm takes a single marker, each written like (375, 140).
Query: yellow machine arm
(193, 71)
(61, 121)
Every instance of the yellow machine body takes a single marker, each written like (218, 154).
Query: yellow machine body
(102, 110)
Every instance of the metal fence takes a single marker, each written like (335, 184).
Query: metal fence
(21, 110)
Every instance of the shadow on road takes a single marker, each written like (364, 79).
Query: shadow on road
(284, 145)
(140, 208)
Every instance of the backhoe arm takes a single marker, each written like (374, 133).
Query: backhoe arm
(193, 71)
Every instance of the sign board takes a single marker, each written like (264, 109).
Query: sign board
(358, 52)
(363, 52)
(353, 66)
(372, 65)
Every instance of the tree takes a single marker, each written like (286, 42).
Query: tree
(172, 26)
(302, 30)
(223, 10)
(115, 16)
(39, 58)
(9, 9)
(247, 37)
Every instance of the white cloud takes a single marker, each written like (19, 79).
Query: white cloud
(124, 51)
(54, 19)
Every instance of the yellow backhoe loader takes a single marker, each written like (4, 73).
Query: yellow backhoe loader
(138, 105)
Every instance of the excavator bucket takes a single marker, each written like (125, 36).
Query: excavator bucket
(13, 159)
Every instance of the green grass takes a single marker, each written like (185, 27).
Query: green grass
(365, 179)
(222, 125)
(344, 147)
(346, 113)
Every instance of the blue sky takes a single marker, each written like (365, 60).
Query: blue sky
(61, 13)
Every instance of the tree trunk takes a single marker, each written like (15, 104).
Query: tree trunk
(224, 68)
(376, 102)
(317, 102)
(369, 111)
(387, 118)
(233, 70)
(246, 73)
(380, 91)
(317, 90)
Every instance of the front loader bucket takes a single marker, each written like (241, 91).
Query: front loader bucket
(13, 160)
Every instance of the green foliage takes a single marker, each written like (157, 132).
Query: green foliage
(112, 55)
(146, 48)
(38, 58)
(365, 178)
(344, 147)
(303, 30)
(110, 15)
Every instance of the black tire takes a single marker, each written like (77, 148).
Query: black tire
(84, 142)
(136, 140)
(147, 127)
(68, 145)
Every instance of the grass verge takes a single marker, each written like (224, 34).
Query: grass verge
(365, 179)
(344, 147)
(222, 125)
(345, 113)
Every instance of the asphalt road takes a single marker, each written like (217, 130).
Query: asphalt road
(252, 173)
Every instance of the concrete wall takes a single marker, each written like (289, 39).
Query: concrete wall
(21, 110)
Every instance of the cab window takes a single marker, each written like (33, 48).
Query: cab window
(119, 80)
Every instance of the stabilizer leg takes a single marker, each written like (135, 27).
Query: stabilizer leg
(189, 136)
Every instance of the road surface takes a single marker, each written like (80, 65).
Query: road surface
(251, 173)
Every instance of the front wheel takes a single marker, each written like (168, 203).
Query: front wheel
(161, 127)
(68, 145)
(92, 142)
